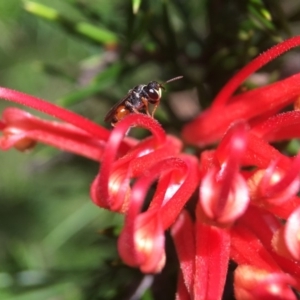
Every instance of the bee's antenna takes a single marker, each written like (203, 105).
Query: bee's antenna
(173, 79)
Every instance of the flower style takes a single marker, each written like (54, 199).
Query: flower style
(247, 206)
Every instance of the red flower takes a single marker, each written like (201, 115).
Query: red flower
(247, 209)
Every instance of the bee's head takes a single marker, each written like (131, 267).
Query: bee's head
(153, 89)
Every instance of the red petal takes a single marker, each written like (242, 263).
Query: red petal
(21, 126)
(257, 284)
(211, 261)
(292, 234)
(183, 233)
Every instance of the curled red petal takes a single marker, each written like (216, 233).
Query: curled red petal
(100, 193)
(253, 66)
(128, 244)
(253, 284)
(279, 245)
(284, 210)
(134, 164)
(22, 129)
(55, 111)
(147, 248)
(280, 204)
(146, 252)
(181, 194)
(233, 145)
(218, 210)
(210, 125)
(145, 154)
(274, 186)
(292, 234)
(284, 126)
(223, 194)
(277, 186)
(275, 287)
(261, 154)
(246, 248)
(264, 225)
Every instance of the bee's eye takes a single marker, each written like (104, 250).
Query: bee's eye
(153, 94)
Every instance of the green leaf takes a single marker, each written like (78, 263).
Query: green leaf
(100, 35)
(136, 5)
(41, 10)
(85, 29)
(257, 9)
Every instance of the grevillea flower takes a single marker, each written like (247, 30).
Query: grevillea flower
(246, 191)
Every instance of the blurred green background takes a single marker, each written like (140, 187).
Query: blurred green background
(85, 55)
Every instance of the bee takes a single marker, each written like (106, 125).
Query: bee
(137, 101)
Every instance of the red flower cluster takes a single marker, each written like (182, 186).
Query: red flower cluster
(247, 206)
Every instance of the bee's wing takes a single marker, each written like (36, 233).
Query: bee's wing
(112, 111)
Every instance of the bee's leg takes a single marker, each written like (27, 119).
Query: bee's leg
(146, 103)
(129, 106)
(154, 109)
